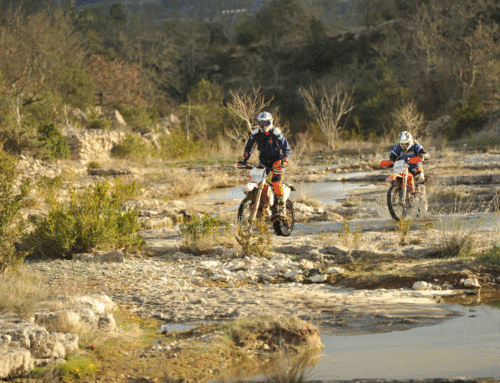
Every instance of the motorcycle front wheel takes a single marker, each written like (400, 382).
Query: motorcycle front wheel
(397, 207)
(245, 214)
(284, 227)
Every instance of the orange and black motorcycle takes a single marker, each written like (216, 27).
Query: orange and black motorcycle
(259, 202)
(403, 195)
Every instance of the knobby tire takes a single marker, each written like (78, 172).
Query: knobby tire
(391, 204)
(282, 229)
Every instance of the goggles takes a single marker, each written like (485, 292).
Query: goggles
(264, 123)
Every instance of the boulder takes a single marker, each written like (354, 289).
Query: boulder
(26, 344)
(116, 118)
(14, 362)
(78, 114)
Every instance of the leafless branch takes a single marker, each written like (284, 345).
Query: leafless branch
(246, 106)
(327, 106)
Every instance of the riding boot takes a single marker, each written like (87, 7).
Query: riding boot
(280, 206)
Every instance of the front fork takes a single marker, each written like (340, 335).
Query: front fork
(404, 191)
(257, 203)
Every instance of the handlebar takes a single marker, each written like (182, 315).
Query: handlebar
(413, 161)
(260, 166)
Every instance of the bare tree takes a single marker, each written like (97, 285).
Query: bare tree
(445, 46)
(246, 106)
(409, 118)
(327, 106)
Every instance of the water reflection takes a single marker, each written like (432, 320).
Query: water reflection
(466, 346)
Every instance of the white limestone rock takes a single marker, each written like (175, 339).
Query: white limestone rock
(14, 362)
(421, 285)
(318, 278)
(334, 270)
(471, 283)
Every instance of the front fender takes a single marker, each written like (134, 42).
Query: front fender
(249, 187)
(394, 178)
(397, 178)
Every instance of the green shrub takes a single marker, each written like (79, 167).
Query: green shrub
(92, 219)
(467, 119)
(139, 118)
(247, 35)
(10, 205)
(77, 366)
(255, 244)
(347, 238)
(176, 146)
(133, 147)
(17, 136)
(200, 234)
(95, 122)
(491, 257)
(93, 165)
(54, 144)
(380, 95)
(403, 229)
(49, 186)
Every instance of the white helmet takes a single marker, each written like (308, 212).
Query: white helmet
(265, 121)
(405, 140)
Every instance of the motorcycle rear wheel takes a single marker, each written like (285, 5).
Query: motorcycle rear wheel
(284, 227)
(397, 208)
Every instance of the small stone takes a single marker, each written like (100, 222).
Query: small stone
(297, 278)
(334, 270)
(319, 278)
(472, 282)
(87, 257)
(291, 274)
(421, 285)
(222, 278)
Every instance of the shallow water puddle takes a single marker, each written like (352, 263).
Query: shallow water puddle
(467, 346)
(324, 192)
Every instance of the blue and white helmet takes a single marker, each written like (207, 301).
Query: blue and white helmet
(265, 121)
(405, 140)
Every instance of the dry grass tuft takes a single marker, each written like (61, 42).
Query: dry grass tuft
(290, 367)
(459, 233)
(19, 292)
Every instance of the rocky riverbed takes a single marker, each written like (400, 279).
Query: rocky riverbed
(347, 268)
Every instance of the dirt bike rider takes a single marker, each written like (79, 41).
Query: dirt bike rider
(273, 153)
(406, 149)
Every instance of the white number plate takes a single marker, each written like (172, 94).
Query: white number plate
(257, 175)
(399, 166)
